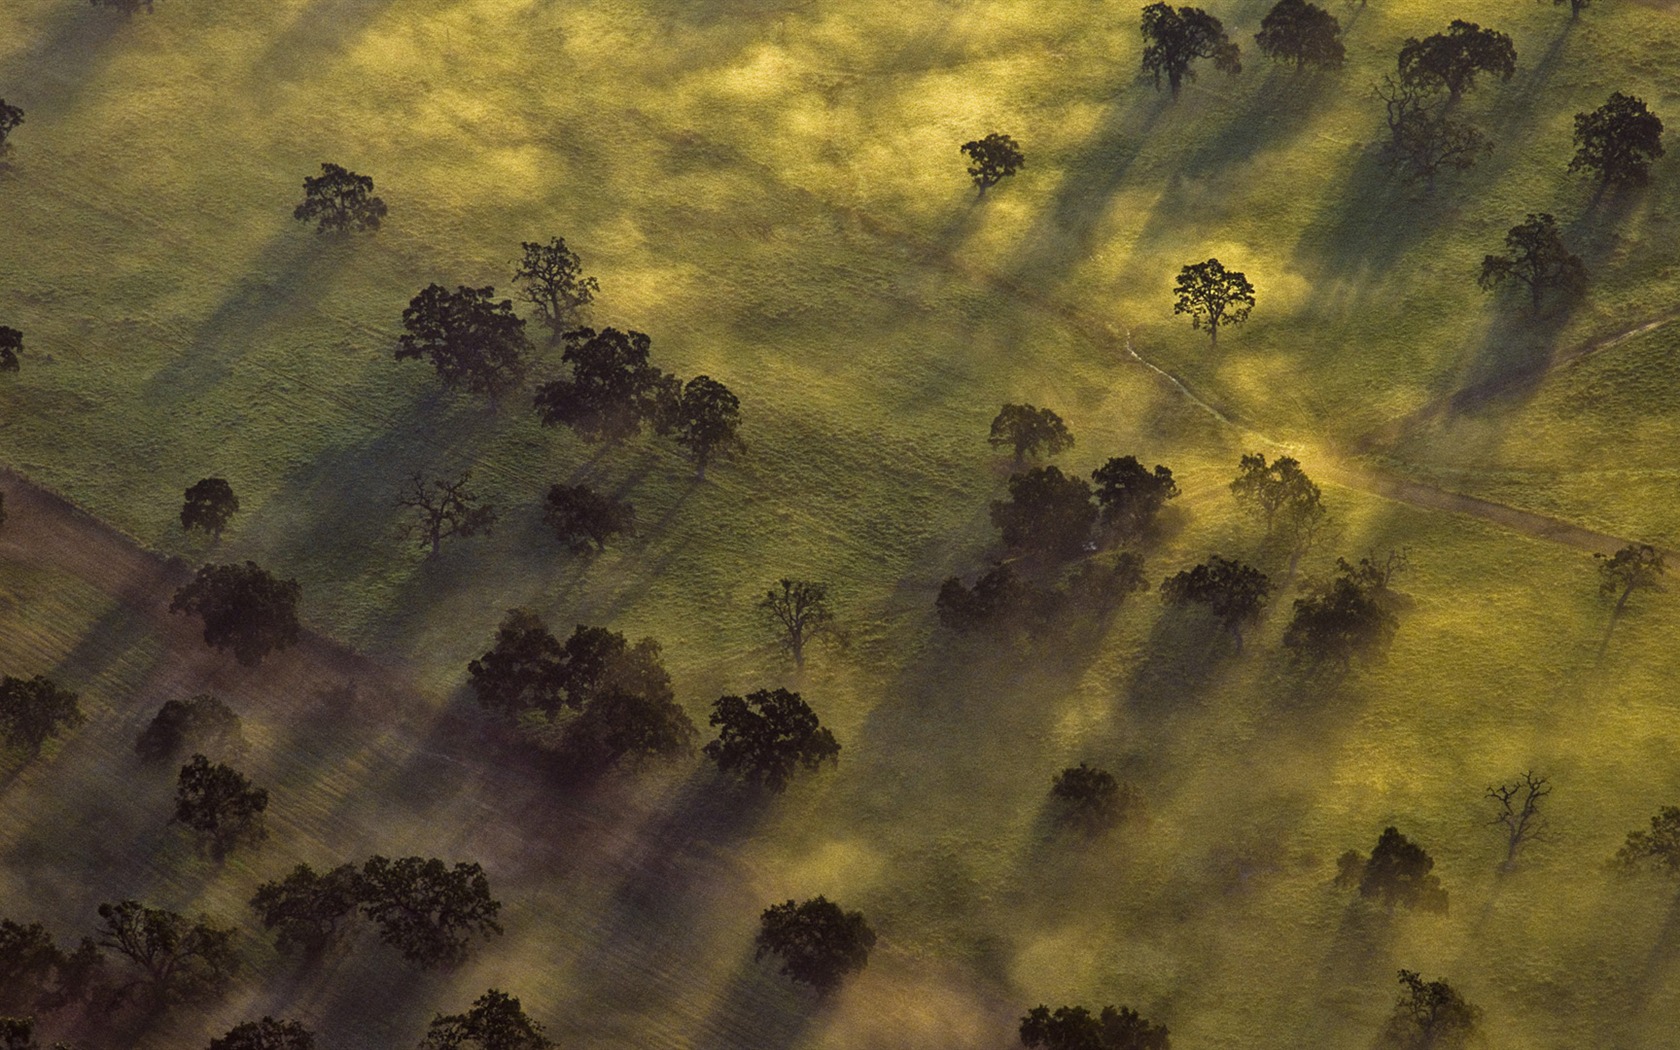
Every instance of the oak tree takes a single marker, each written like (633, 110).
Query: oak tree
(1430, 1015)
(474, 341)
(629, 712)
(1398, 872)
(817, 941)
(427, 911)
(35, 710)
(584, 519)
(443, 509)
(1636, 567)
(1174, 38)
(1303, 33)
(219, 801)
(1619, 140)
(706, 421)
(992, 159)
(306, 907)
(1235, 594)
(1280, 495)
(550, 277)
(1352, 613)
(266, 1034)
(495, 1021)
(37, 976)
(338, 201)
(1090, 799)
(1046, 511)
(999, 601)
(1535, 256)
(11, 345)
(209, 504)
(799, 613)
(1074, 1028)
(1658, 848)
(204, 723)
(244, 608)
(176, 957)
(1518, 811)
(1130, 496)
(765, 736)
(1029, 431)
(613, 391)
(1454, 58)
(1213, 296)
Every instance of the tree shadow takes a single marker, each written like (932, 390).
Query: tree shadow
(49, 78)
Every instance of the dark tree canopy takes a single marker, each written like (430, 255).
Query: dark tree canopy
(817, 941)
(1130, 496)
(35, 710)
(706, 420)
(339, 201)
(1454, 58)
(799, 613)
(11, 345)
(1636, 567)
(1398, 872)
(427, 911)
(203, 723)
(1029, 431)
(474, 340)
(10, 118)
(266, 1034)
(1213, 296)
(613, 390)
(1174, 38)
(1098, 585)
(999, 602)
(1235, 594)
(1353, 613)
(584, 519)
(1074, 1028)
(495, 1022)
(766, 736)
(220, 802)
(1536, 257)
(208, 505)
(1303, 33)
(244, 608)
(1046, 511)
(1425, 138)
(177, 958)
(1430, 1015)
(443, 509)
(992, 159)
(1090, 799)
(36, 975)
(1279, 494)
(630, 713)
(550, 277)
(529, 669)
(306, 907)
(1658, 848)
(1619, 140)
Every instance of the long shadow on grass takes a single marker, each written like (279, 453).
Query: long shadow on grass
(49, 78)
(321, 32)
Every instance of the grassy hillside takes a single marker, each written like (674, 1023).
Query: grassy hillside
(775, 195)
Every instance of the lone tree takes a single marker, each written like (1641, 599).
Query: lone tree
(1235, 594)
(765, 736)
(550, 277)
(706, 420)
(1430, 1015)
(999, 601)
(1130, 496)
(584, 519)
(1398, 872)
(1173, 38)
(817, 941)
(203, 723)
(474, 341)
(244, 608)
(1047, 511)
(1658, 848)
(495, 1022)
(1029, 431)
(1619, 140)
(1518, 812)
(1090, 799)
(266, 1034)
(1353, 613)
(338, 200)
(1073, 1028)
(1279, 493)
(613, 390)
(11, 345)
(799, 612)
(36, 975)
(1536, 257)
(1213, 296)
(35, 710)
(10, 117)
(1453, 59)
(219, 801)
(177, 958)
(1636, 567)
(427, 911)
(443, 509)
(306, 907)
(1303, 33)
(992, 159)
(209, 505)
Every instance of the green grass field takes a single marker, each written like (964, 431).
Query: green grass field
(775, 195)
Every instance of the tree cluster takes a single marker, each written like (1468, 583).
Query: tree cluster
(1076, 1028)
(1353, 613)
(1003, 604)
(243, 608)
(1397, 872)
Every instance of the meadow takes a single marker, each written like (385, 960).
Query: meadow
(774, 194)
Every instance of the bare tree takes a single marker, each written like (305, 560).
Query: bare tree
(444, 508)
(799, 612)
(1519, 812)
